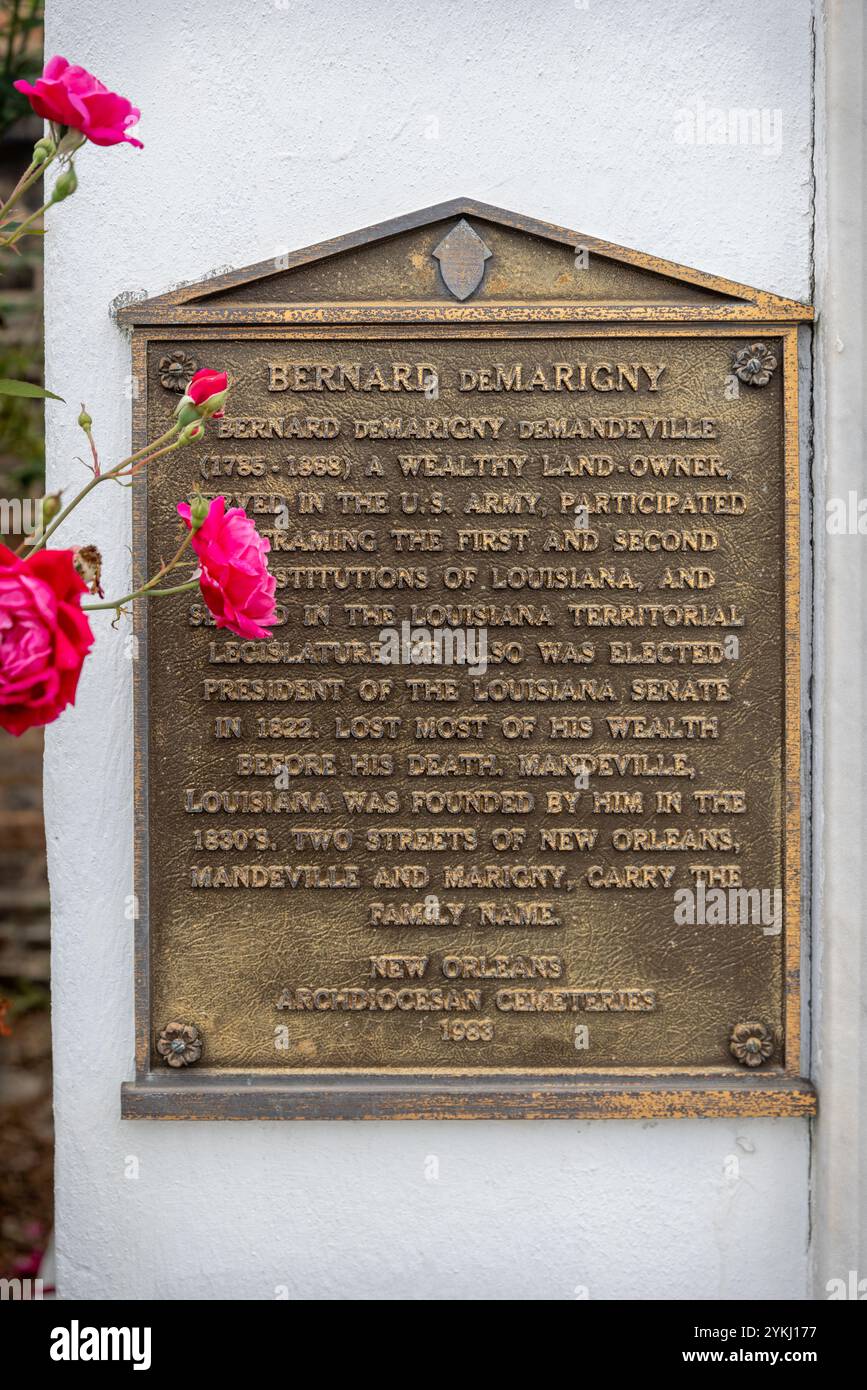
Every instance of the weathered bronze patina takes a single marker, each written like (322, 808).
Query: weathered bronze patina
(504, 818)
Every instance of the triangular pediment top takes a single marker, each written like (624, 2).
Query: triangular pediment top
(464, 252)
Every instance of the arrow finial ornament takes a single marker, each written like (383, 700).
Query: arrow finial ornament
(462, 255)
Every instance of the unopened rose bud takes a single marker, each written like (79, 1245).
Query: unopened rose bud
(213, 405)
(186, 413)
(199, 508)
(194, 430)
(50, 507)
(207, 391)
(65, 185)
(88, 561)
(44, 149)
(85, 420)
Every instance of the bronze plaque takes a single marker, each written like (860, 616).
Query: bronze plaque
(503, 817)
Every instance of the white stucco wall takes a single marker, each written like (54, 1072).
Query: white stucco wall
(840, 824)
(269, 126)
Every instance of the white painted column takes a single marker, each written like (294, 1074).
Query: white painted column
(840, 1027)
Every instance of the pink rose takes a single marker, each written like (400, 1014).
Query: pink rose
(205, 384)
(234, 577)
(72, 96)
(44, 637)
(204, 398)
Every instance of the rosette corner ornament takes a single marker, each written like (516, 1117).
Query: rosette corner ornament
(176, 371)
(179, 1044)
(751, 1043)
(754, 364)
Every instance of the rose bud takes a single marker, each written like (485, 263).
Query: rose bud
(44, 149)
(85, 420)
(65, 185)
(191, 432)
(199, 508)
(207, 391)
(50, 507)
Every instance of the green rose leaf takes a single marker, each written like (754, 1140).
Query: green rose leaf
(8, 387)
(31, 231)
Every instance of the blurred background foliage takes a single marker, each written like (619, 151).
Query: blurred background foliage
(21, 40)
(26, 1128)
(22, 455)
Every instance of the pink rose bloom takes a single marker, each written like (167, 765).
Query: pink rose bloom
(44, 637)
(234, 577)
(205, 384)
(72, 96)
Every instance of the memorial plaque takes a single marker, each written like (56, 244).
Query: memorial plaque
(503, 818)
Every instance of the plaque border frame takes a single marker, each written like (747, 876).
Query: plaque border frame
(475, 1093)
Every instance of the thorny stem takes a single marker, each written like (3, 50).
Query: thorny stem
(140, 593)
(88, 487)
(20, 185)
(31, 176)
(115, 472)
(150, 587)
(27, 180)
(140, 463)
(22, 228)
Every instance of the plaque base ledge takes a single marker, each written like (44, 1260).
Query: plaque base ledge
(496, 1097)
